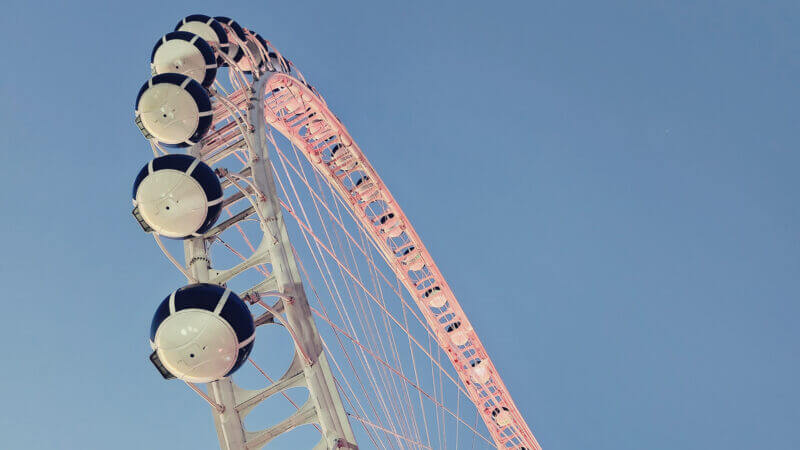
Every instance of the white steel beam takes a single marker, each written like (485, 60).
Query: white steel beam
(322, 390)
(324, 405)
(228, 423)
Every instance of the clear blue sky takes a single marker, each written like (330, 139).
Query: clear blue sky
(615, 204)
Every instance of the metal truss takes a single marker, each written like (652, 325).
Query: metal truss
(309, 368)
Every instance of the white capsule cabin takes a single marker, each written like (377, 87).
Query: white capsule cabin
(177, 196)
(236, 38)
(434, 297)
(342, 159)
(255, 56)
(457, 334)
(210, 30)
(277, 63)
(173, 109)
(479, 372)
(185, 53)
(502, 416)
(390, 225)
(201, 333)
(411, 258)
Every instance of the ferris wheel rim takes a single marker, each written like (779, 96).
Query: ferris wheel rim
(488, 373)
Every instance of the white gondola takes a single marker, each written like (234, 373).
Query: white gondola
(343, 160)
(278, 63)
(457, 333)
(479, 372)
(434, 297)
(235, 34)
(177, 196)
(390, 225)
(411, 258)
(257, 47)
(174, 109)
(325, 142)
(185, 53)
(502, 416)
(207, 28)
(201, 333)
(365, 189)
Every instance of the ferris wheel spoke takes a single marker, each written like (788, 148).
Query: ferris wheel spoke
(411, 426)
(338, 220)
(369, 372)
(429, 396)
(369, 294)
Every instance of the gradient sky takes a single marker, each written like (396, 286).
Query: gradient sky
(611, 191)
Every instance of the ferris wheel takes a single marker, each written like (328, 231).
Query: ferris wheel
(283, 221)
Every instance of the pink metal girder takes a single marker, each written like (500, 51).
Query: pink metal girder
(303, 117)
